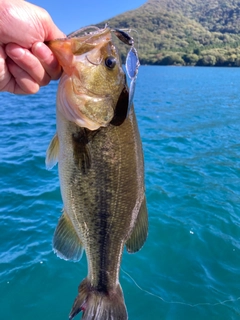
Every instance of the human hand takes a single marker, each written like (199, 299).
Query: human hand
(26, 63)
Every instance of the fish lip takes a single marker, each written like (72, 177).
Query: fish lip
(81, 33)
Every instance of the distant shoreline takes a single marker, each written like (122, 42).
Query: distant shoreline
(183, 65)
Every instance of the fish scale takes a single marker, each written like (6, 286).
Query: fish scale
(102, 184)
(101, 174)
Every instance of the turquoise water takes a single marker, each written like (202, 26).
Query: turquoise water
(189, 268)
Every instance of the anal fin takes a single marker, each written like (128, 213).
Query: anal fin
(66, 242)
(140, 230)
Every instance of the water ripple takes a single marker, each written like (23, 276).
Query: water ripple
(190, 125)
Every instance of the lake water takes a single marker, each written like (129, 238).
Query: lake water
(189, 268)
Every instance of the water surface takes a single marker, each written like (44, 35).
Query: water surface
(189, 120)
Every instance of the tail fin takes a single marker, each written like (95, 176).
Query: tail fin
(97, 305)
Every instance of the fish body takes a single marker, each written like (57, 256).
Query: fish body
(101, 173)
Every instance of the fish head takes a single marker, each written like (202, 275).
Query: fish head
(92, 80)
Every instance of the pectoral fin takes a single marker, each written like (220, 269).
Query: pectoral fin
(52, 153)
(66, 242)
(140, 231)
(81, 150)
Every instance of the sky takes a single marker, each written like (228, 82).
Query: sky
(70, 15)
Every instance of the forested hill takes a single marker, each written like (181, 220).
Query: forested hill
(186, 32)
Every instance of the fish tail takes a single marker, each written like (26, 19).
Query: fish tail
(99, 305)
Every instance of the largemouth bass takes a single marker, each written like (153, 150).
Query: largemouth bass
(101, 170)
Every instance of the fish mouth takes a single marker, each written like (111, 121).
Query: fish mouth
(76, 44)
(84, 96)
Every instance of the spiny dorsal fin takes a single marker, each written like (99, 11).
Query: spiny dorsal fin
(52, 153)
(140, 230)
(66, 242)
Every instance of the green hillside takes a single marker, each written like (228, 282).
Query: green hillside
(185, 32)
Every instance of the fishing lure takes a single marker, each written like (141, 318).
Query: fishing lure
(132, 62)
(123, 36)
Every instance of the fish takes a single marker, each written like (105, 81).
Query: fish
(101, 170)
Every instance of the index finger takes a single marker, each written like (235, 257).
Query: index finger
(47, 59)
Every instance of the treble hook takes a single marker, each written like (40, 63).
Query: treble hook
(123, 36)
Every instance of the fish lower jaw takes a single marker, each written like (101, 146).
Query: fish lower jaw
(74, 108)
(87, 124)
(73, 114)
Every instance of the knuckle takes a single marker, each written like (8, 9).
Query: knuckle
(57, 74)
(45, 80)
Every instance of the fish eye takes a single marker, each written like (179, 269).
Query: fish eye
(110, 62)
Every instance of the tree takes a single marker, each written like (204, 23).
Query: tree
(190, 59)
(172, 59)
(207, 60)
